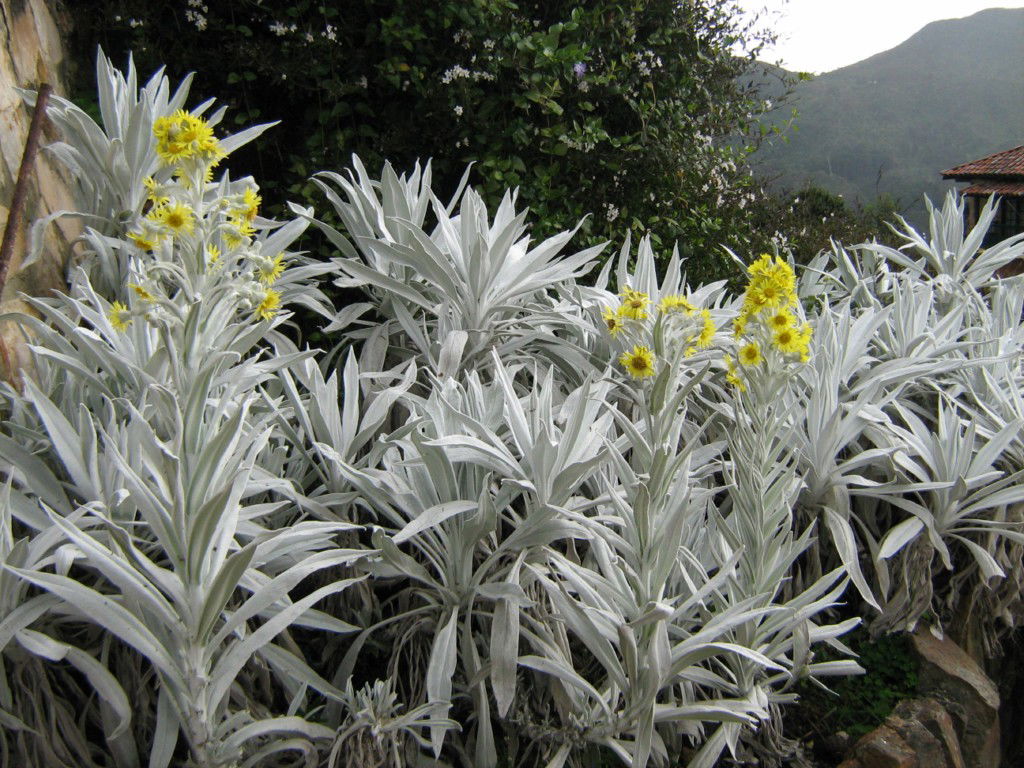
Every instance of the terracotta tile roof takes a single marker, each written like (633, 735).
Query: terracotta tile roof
(1002, 164)
(1005, 189)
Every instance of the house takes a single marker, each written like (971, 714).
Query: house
(1001, 174)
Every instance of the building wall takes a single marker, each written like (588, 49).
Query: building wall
(32, 53)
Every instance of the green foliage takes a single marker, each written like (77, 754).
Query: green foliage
(860, 703)
(619, 110)
(807, 221)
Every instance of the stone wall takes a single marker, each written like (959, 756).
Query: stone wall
(32, 53)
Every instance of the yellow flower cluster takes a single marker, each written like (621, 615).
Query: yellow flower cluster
(768, 325)
(694, 327)
(633, 307)
(184, 138)
(676, 303)
(183, 222)
(772, 284)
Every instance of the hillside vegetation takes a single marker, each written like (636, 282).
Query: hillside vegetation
(891, 123)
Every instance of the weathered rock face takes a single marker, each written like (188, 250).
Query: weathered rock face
(32, 53)
(928, 729)
(952, 677)
(918, 734)
(883, 748)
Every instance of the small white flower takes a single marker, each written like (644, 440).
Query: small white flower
(196, 18)
(458, 109)
(279, 29)
(454, 73)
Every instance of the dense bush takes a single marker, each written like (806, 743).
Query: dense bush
(631, 112)
(513, 518)
(805, 222)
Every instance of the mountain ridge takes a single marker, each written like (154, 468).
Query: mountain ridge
(889, 124)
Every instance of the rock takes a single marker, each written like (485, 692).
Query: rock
(885, 748)
(952, 677)
(918, 734)
(928, 730)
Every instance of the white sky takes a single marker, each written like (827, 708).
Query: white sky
(822, 35)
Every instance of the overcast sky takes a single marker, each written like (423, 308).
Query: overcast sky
(822, 35)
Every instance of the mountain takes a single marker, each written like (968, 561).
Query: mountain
(891, 123)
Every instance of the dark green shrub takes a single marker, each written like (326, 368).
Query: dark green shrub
(627, 111)
(858, 704)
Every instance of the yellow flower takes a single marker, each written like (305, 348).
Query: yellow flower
(805, 342)
(612, 321)
(184, 136)
(267, 308)
(250, 204)
(212, 254)
(639, 363)
(147, 239)
(270, 269)
(238, 232)
(176, 216)
(154, 191)
(750, 354)
(739, 325)
(772, 284)
(761, 267)
(768, 294)
(753, 302)
(731, 375)
(789, 341)
(675, 303)
(634, 304)
(707, 333)
(781, 320)
(142, 292)
(119, 316)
